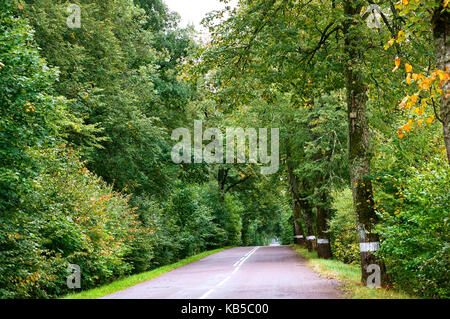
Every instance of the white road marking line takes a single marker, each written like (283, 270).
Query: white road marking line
(238, 265)
(248, 256)
(244, 257)
(224, 281)
(206, 294)
(237, 262)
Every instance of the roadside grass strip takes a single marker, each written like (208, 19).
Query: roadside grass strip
(130, 281)
(349, 276)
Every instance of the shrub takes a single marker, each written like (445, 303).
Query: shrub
(416, 235)
(69, 216)
(343, 232)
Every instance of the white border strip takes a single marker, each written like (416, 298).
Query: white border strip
(310, 237)
(322, 241)
(298, 236)
(245, 257)
(369, 247)
(206, 294)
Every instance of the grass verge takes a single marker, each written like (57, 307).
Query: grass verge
(138, 278)
(349, 276)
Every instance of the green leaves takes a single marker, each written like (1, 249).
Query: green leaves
(416, 235)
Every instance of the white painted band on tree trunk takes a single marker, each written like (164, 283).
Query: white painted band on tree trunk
(322, 241)
(298, 236)
(310, 237)
(366, 247)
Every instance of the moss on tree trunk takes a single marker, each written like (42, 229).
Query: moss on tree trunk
(359, 154)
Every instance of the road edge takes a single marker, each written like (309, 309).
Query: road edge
(348, 276)
(133, 280)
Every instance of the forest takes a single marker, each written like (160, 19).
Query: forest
(359, 91)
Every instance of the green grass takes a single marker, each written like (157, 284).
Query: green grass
(138, 278)
(349, 276)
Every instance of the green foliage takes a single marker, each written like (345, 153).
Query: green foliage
(106, 96)
(343, 232)
(119, 71)
(29, 114)
(68, 216)
(416, 235)
(287, 227)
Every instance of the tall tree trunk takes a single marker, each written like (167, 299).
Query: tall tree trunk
(323, 240)
(359, 157)
(309, 224)
(441, 22)
(299, 234)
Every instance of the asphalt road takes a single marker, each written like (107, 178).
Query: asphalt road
(273, 272)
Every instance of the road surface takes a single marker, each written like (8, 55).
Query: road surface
(271, 272)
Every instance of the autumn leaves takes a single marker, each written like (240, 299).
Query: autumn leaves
(429, 91)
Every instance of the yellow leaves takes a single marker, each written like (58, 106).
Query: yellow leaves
(418, 111)
(407, 127)
(446, 3)
(408, 67)
(405, 2)
(443, 76)
(408, 79)
(1, 65)
(389, 44)
(397, 64)
(414, 98)
(29, 107)
(408, 102)
(425, 84)
(403, 103)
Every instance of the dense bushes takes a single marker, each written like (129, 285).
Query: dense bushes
(68, 216)
(416, 235)
(191, 221)
(343, 233)
(414, 210)
(54, 211)
(106, 98)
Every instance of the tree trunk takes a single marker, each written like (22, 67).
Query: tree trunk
(299, 234)
(441, 22)
(309, 224)
(359, 157)
(323, 240)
